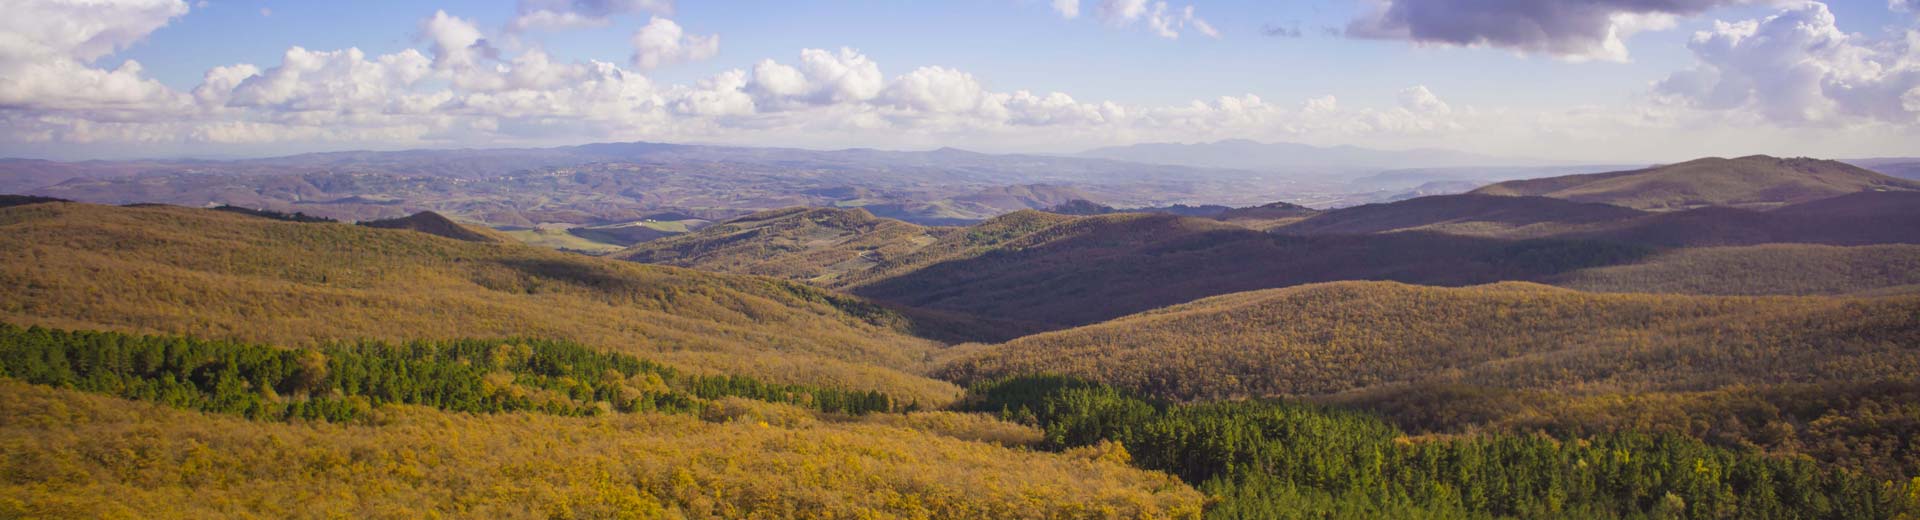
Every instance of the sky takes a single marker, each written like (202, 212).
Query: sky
(1576, 80)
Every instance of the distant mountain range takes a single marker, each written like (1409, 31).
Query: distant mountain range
(1297, 158)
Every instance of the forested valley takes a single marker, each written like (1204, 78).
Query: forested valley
(170, 362)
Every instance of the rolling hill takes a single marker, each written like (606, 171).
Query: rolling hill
(815, 245)
(1048, 270)
(229, 276)
(1327, 339)
(1076, 271)
(1754, 182)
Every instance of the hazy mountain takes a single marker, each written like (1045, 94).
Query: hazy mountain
(1293, 158)
(1902, 167)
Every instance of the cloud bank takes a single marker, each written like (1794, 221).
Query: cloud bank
(1570, 29)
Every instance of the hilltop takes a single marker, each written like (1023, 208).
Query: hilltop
(1754, 182)
(434, 224)
(228, 276)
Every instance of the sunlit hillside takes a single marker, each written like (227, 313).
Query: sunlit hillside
(223, 275)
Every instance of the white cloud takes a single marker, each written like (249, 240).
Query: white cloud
(328, 81)
(456, 43)
(1797, 67)
(574, 14)
(1067, 8)
(1417, 99)
(46, 48)
(456, 90)
(822, 78)
(1161, 19)
(663, 42)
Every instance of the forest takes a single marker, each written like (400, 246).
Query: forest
(343, 381)
(1274, 459)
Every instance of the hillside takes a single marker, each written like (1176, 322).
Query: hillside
(1811, 223)
(1754, 182)
(433, 224)
(764, 460)
(1076, 271)
(815, 245)
(1785, 269)
(1333, 338)
(1047, 270)
(223, 275)
(1474, 215)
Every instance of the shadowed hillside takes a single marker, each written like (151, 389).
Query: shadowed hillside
(1090, 269)
(223, 275)
(1756, 182)
(1475, 215)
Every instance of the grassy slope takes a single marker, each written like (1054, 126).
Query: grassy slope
(554, 237)
(1350, 336)
(221, 275)
(80, 456)
(1752, 182)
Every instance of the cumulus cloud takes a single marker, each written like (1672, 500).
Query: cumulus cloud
(663, 42)
(1570, 29)
(46, 48)
(1797, 67)
(573, 14)
(456, 89)
(1067, 8)
(1905, 6)
(1160, 19)
(822, 78)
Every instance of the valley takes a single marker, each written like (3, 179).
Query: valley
(1019, 350)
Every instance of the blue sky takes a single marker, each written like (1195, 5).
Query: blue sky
(1126, 83)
